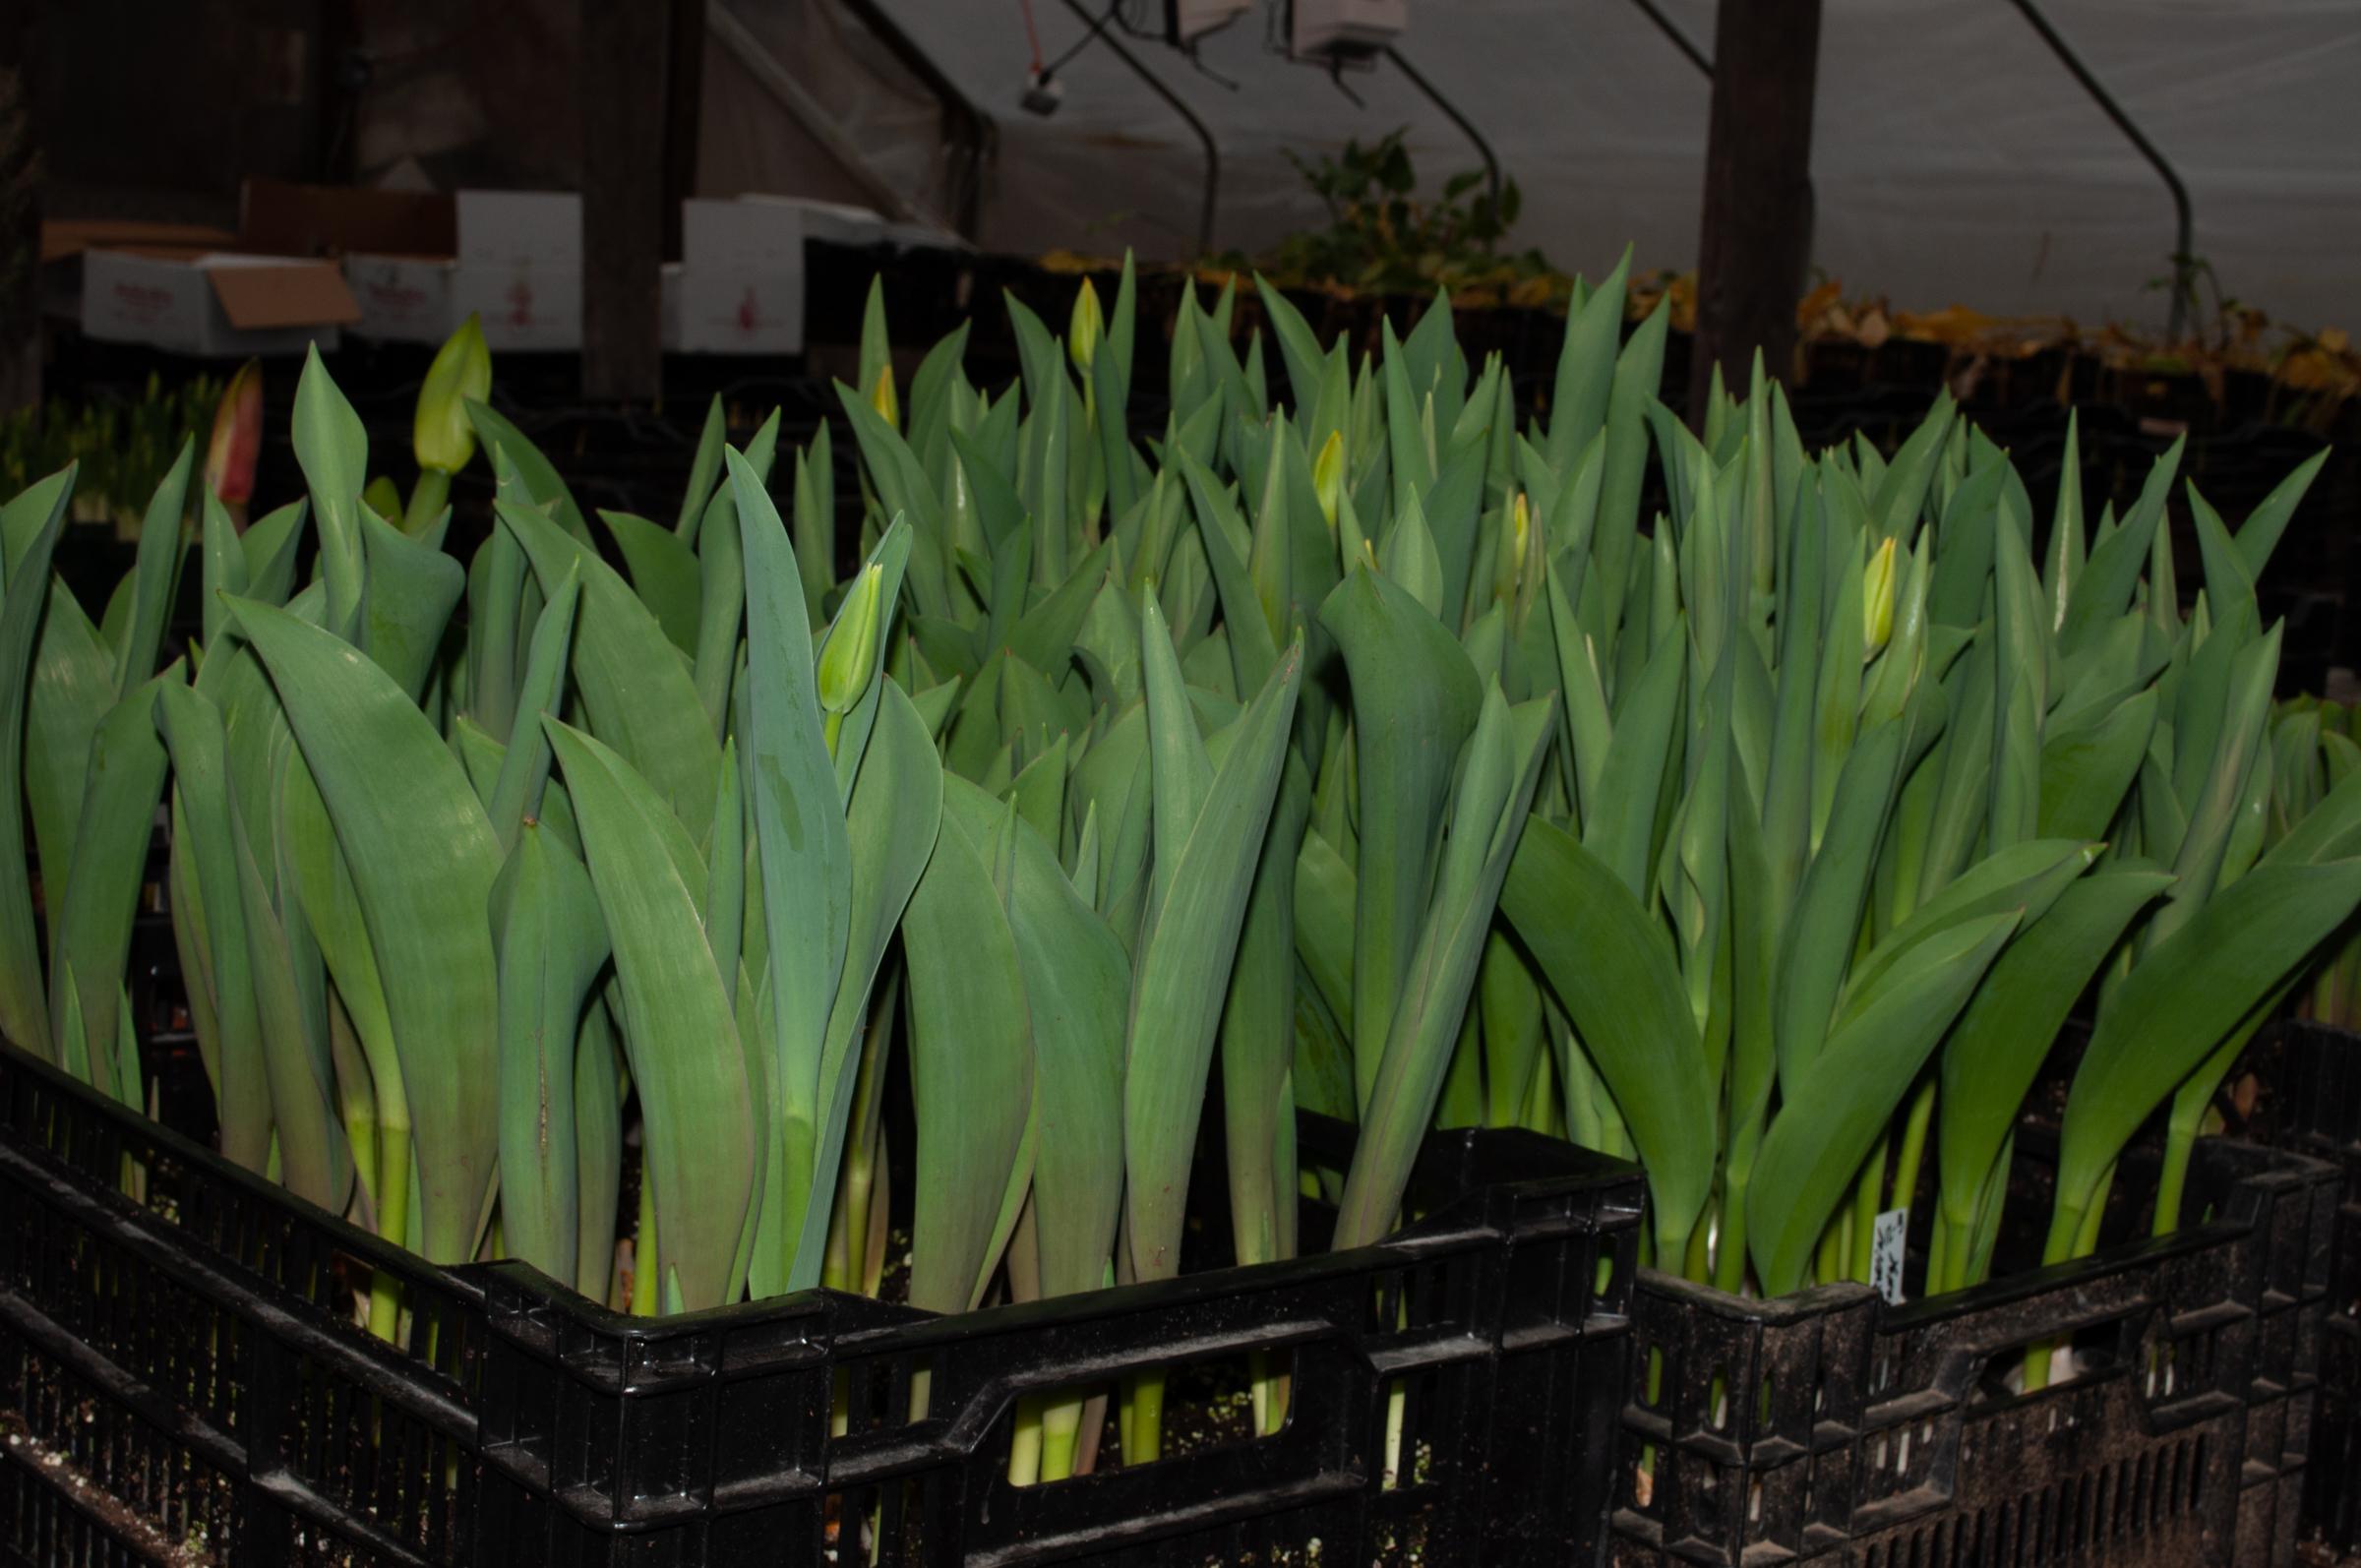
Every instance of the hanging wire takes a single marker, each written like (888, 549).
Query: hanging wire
(1032, 33)
(1091, 35)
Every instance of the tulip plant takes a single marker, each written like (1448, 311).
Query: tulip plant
(2314, 751)
(1361, 740)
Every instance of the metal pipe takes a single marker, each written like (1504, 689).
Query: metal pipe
(1213, 153)
(2184, 241)
(1484, 149)
(1679, 34)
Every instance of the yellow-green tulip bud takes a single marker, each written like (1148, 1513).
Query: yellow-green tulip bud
(383, 499)
(1508, 567)
(1877, 599)
(882, 399)
(1328, 474)
(849, 656)
(441, 437)
(1084, 329)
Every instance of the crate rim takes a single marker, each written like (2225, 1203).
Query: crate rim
(859, 1324)
(2269, 1167)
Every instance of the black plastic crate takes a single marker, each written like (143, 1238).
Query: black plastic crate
(1831, 1428)
(2311, 1103)
(179, 1364)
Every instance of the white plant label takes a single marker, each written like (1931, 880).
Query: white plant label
(1886, 1248)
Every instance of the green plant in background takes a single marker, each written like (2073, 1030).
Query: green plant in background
(120, 449)
(1381, 238)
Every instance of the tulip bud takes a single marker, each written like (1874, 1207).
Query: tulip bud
(383, 499)
(849, 656)
(1508, 568)
(1877, 600)
(237, 439)
(441, 436)
(882, 399)
(1328, 474)
(1084, 329)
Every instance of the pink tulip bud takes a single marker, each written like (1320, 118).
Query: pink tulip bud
(238, 437)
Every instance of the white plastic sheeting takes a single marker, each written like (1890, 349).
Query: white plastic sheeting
(1954, 160)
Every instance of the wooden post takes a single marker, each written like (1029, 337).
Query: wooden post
(623, 78)
(1757, 239)
(20, 209)
(684, 105)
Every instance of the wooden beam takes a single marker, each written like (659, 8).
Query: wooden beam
(684, 106)
(623, 79)
(1757, 238)
(20, 209)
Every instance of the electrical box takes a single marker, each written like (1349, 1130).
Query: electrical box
(1188, 20)
(1347, 27)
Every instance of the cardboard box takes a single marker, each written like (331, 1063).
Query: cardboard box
(212, 303)
(741, 278)
(671, 289)
(514, 258)
(403, 298)
(291, 220)
(521, 268)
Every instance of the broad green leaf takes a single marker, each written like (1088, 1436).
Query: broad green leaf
(423, 857)
(705, 471)
(524, 762)
(542, 486)
(1182, 974)
(1586, 371)
(805, 857)
(972, 1068)
(552, 943)
(891, 820)
(313, 1157)
(1818, 943)
(1996, 1049)
(1076, 982)
(1487, 815)
(1257, 1040)
(154, 574)
(664, 572)
(406, 605)
(1612, 968)
(91, 911)
(192, 727)
(2181, 998)
(23, 1009)
(1417, 701)
(678, 1031)
(333, 450)
(634, 687)
(73, 686)
(2087, 771)
(1848, 1094)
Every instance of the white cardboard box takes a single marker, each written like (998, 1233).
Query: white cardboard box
(741, 278)
(215, 304)
(403, 298)
(521, 268)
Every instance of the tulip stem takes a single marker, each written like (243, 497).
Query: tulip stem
(427, 498)
(392, 1220)
(643, 1247)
